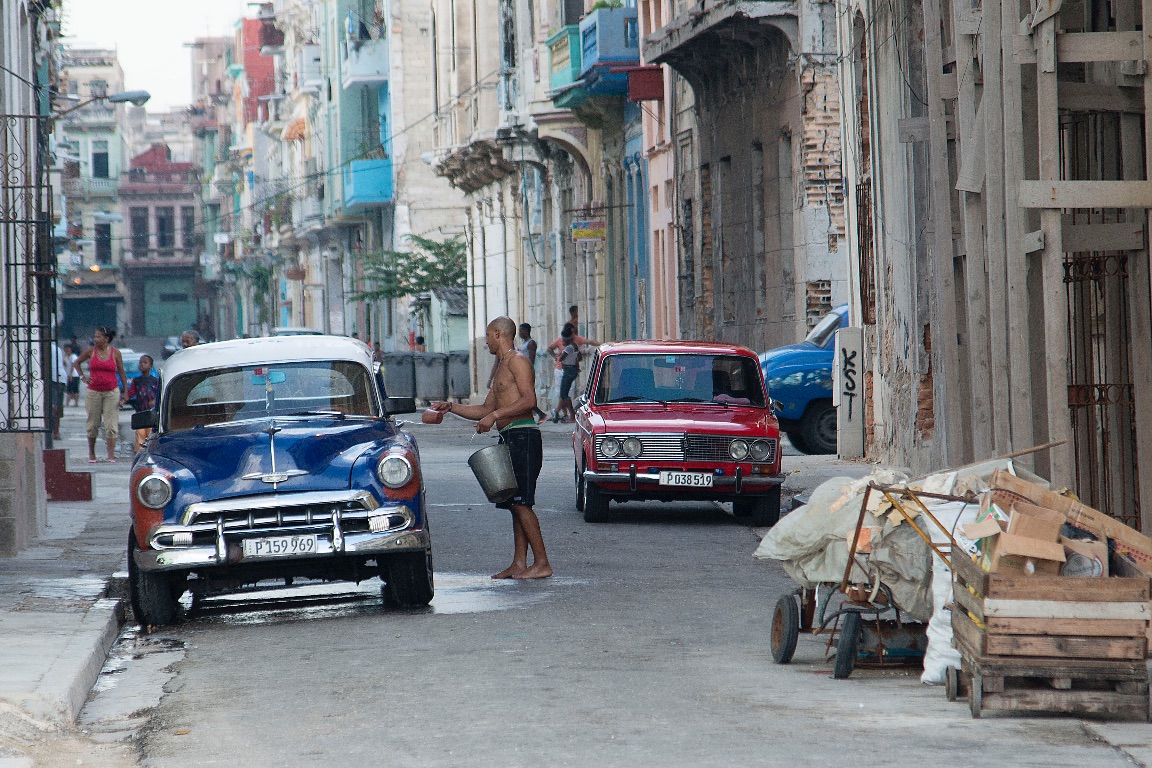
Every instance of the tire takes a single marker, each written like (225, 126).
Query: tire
(155, 596)
(952, 683)
(408, 579)
(595, 504)
(847, 645)
(578, 476)
(796, 437)
(761, 511)
(818, 429)
(785, 629)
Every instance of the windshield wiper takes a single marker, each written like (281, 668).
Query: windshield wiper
(634, 399)
(320, 412)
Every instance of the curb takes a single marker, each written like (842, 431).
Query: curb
(64, 687)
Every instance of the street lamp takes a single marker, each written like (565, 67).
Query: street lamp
(137, 98)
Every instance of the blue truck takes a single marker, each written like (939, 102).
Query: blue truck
(799, 378)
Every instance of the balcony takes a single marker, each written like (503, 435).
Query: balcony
(364, 63)
(87, 187)
(564, 78)
(367, 184)
(271, 38)
(609, 39)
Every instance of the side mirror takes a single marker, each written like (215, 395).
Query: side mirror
(581, 401)
(145, 420)
(397, 405)
(777, 406)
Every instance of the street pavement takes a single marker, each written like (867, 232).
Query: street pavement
(63, 604)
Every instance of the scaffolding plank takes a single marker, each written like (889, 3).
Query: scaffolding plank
(1055, 194)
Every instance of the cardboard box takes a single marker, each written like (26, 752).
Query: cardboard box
(1084, 559)
(1132, 543)
(1034, 522)
(1028, 556)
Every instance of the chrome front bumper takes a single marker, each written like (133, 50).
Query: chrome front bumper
(650, 482)
(394, 522)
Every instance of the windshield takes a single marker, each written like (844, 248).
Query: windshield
(822, 333)
(691, 378)
(221, 395)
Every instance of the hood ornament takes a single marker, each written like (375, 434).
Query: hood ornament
(274, 477)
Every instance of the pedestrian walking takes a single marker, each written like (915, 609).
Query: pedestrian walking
(73, 393)
(102, 400)
(58, 387)
(564, 410)
(142, 394)
(508, 406)
(527, 347)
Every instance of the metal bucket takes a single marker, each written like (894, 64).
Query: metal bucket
(493, 468)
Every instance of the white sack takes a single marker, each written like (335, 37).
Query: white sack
(939, 655)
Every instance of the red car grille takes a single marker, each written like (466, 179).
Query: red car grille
(664, 447)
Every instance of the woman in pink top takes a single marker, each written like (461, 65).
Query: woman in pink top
(102, 400)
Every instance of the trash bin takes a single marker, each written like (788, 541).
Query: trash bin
(399, 374)
(459, 376)
(431, 375)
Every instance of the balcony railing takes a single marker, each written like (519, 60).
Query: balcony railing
(609, 38)
(364, 63)
(564, 48)
(367, 184)
(87, 187)
(306, 212)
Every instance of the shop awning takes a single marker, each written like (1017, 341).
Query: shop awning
(295, 130)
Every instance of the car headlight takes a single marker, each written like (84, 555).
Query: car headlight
(738, 450)
(610, 447)
(761, 450)
(154, 491)
(632, 447)
(394, 470)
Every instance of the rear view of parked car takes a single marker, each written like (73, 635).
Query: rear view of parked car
(275, 459)
(799, 378)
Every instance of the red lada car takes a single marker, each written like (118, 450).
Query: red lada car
(677, 420)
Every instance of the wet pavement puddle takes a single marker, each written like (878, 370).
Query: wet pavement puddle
(456, 593)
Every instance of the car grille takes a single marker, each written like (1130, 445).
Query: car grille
(296, 513)
(664, 447)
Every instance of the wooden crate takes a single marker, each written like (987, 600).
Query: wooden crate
(1052, 643)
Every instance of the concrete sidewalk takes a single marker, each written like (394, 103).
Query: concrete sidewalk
(57, 616)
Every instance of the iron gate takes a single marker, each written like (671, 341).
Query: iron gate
(27, 285)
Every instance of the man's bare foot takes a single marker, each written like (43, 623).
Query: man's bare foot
(535, 571)
(509, 572)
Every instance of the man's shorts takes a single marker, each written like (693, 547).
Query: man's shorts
(527, 452)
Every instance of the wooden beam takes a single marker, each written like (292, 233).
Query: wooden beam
(1100, 97)
(1056, 194)
(1055, 302)
(1073, 47)
(946, 87)
(946, 368)
(1124, 236)
(1016, 225)
(1032, 242)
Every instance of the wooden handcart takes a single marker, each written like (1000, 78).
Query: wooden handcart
(860, 619)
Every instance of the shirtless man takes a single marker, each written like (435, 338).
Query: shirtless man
(508, 407)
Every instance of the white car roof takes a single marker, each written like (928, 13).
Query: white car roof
(277, 349)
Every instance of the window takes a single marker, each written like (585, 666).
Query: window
(257, 392)
(103, 243)
(138, 221)
(97, 88)
(188, 226)
(693, 378)
(99, 159)
(165, 227)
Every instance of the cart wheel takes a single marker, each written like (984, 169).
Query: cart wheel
(976, 695)
(952, 683)
(846, 646)
(785, 629)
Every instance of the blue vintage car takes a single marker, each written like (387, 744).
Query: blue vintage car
(799, 378)
(275, 459)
